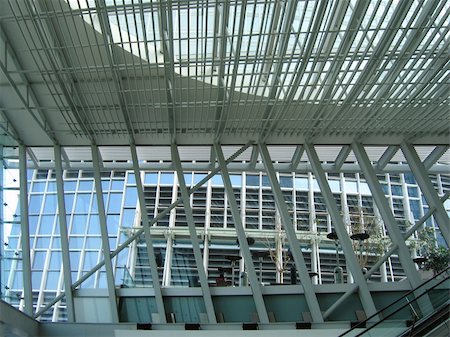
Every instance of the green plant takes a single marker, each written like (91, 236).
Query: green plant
(437, 257)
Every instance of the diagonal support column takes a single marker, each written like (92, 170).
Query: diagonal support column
(25, 229)
(193, 234)
(64, 235)
(148, 238)
(434, 156)
(104, 232)
(294, 245)
(387, 156)
(383, 258)
(254, 284)
(296, 157)
(342, 156)
(138, 232)
(355, 268)
(386, 214)
(420, 173)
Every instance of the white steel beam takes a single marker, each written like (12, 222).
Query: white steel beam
(430, 194)
(194, 238)
(138, 232)
(166, 26)
(64, 235)
(387, 156)
(148, 238)
(254, 157)
(254, 283)
(104, 233)
(108, 40)
(296, 157)
(342, 156)
(294, 245)
(25, 231)
(346, 245)
(386, 214)
(384, 258)
(27, 98)
(434, 156)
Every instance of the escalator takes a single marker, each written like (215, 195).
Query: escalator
(430, 318)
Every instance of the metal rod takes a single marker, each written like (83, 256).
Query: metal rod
(148, 239)
(104, 234)
(355, 268)
(194, 239)
(254, 284)
(25, 232)
(294, 245)
(64, 235)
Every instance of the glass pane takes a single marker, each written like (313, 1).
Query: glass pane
(167, 178)
(115, 202)
(94, 225)
(50, 203)
(151, 178)
(79, 224)
(83, 201)
(130, 197)
(34, 206)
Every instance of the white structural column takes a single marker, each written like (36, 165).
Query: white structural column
(346, 245)
(254, 283)
(104, 232)
(64, 235)
(138, 232)
(294, 245)
(25, 231)
(193, 235)
(386, 214)
(148, 239)
(430, 194)
(383, 258)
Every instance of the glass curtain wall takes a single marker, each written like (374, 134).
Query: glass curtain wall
(212, 217)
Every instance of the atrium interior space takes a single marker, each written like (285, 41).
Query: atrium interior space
(224, 166)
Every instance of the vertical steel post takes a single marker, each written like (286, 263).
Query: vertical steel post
(64, 235)
(2, 222)
(254, 284)
(346, 245)
(104, 232)
(193, 234)
(25, 231)
(430, 194)
(294, 245)
(148, 238)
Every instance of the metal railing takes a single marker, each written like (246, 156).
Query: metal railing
(408, 303)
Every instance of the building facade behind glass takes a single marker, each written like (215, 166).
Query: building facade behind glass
(215, 227)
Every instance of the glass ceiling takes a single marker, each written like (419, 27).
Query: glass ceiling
(277, 48)
(196, 72)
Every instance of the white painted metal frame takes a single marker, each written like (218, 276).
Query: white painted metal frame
(106, 250)
(25, 232)
(148, 239)
(384, 258)
(353, 265)
(138, 233)
(194, 237)
(294, 245)
(420, 173)
(64, 236)
(245, 250)
(386, 214)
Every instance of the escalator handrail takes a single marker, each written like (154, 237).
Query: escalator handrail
(363, 323)
(403, 306)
